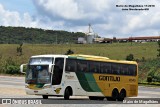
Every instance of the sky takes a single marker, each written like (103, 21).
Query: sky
(106, 16)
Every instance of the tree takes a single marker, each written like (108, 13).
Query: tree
(130, 57)
(16, 35)
(19, 49)
(69, 52)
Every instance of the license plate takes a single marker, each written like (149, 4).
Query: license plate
(35, 91)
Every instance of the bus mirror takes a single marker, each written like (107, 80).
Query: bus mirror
(51, 68)
(21, 68)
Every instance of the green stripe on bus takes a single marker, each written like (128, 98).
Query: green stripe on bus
(83, 81)
(92, 82)
(87, 82)
(72, 57)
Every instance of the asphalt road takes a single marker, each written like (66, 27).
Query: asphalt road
(13, 87)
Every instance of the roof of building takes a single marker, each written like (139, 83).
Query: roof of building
(140, 38)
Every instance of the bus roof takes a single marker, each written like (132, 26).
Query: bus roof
(87, 57)
(49, 55)
(99, 58)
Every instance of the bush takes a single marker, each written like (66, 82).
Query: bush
(149, 79)
(143, 59)
(156, 78)
(152, 71)
(9, 61)
(69, 52)
(11, 69)
(130, 57)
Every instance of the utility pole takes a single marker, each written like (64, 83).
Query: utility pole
(131, 40)
(158, 38)
(56, 38)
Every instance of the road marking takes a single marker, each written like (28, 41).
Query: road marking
(12, 82)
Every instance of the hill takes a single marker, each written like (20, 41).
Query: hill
(17, 35)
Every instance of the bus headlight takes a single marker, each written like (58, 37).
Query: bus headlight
(26, 86)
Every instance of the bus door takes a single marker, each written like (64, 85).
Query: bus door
(58, 70)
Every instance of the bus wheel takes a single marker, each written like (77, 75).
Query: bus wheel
(45, 96)
(66, 94)
(115, 94)
(122, 95)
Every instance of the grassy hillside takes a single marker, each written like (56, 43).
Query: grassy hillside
(113, 51)
(149, 68)
(145, 51)
(17, 35)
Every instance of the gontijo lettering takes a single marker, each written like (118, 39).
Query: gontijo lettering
(109, 78)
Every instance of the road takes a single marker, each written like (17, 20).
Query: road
(13, 87)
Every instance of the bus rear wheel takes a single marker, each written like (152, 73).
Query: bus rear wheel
(45, 96)
(122, 95)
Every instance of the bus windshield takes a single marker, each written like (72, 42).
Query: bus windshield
(37, 70)
(38, 74)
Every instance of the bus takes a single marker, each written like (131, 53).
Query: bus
(81, 75)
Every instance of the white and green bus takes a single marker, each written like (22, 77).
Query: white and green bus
(81, 75)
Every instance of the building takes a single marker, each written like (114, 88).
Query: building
(133, 39)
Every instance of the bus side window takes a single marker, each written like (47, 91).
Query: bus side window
(114, 68)
(124, 69)
(94, 67)
(105, 68)
(102, 66)
(82, 66)
(70, 65)
(132, 70)
(118, 69)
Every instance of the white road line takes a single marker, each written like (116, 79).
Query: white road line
(13, 82)
(11, 86)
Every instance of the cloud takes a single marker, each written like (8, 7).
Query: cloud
(13, 18)
(74, 15)
(102, 14)
(7, 17)
(72, 10)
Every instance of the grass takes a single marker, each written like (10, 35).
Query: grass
(113, 51)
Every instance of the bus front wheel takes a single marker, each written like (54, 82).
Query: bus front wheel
(66, 94)
(45, 96)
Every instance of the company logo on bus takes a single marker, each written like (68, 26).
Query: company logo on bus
(109, 78)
